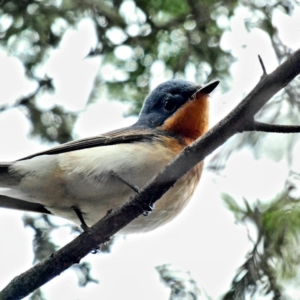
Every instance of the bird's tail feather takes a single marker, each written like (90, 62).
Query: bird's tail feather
(12, 203)
(7, 179)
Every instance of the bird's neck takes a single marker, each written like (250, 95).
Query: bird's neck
(191, 120)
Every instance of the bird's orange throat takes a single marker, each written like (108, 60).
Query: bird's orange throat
(191, 120)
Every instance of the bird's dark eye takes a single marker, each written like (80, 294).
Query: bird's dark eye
(169, 105)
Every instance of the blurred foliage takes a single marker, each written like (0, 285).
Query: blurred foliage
(182, 285)
(83, 273)
(275, 257)
(44, 246)
(37, 295)
(179, 36)
(42, 228)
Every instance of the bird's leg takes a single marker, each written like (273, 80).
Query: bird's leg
(78, 213)
(133, 187)
(150, 208)
(84, 226)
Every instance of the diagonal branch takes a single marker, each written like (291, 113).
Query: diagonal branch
(237, 121)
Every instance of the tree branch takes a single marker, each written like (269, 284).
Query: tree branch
(236, 121)
(259, 126)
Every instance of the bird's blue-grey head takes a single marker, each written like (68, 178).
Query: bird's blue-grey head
(164, 101)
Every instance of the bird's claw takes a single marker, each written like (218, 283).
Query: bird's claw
(148, 210)
(96, 250)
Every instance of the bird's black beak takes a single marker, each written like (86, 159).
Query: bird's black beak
(208, 88)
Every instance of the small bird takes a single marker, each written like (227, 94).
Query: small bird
(81, 180)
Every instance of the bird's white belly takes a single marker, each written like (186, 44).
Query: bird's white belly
(83, 179)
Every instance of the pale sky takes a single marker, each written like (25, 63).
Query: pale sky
(204, 239)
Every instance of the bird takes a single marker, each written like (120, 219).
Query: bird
(83, 179)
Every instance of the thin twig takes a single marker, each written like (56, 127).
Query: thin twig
(262, 66)
(26, 99)
(259, 126)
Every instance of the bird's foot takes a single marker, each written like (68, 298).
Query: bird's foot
(84, 226)
(78, 213)
(148, 211)
(146, 208)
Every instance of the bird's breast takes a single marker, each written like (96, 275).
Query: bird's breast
(170, 205)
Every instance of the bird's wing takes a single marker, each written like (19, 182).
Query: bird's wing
(120, 136)
(124, 135)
